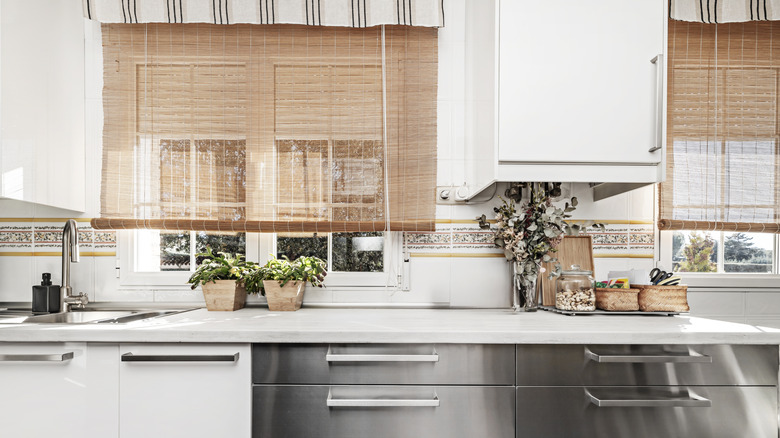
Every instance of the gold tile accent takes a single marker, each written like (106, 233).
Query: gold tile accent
(456, 254)
(56, 254)
(43, 219)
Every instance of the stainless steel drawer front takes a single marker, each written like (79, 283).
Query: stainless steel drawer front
(647, 412)
(646, 365)
(383, 411)
(383, 364)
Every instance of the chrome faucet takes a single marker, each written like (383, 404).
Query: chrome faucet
(70, 249)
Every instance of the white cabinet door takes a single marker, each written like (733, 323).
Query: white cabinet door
(42, 102)
(45, 391)
(576, 82)
(181, 390)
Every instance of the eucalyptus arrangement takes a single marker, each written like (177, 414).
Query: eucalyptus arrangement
(224, 266)
(529, 232)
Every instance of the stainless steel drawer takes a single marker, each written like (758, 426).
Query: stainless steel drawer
(647, 412)
(545, 365)
(383, 364)
(383, 411)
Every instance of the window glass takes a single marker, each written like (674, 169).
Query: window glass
(748, 252)
(344, 252)
(294, 245)
(231, 243)
(358, 252)
(698, 251)
(174, 251)
(158, 251)
(694, 251)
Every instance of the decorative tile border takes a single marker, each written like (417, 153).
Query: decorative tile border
(43, 237)
(620, 239)
(16, 236)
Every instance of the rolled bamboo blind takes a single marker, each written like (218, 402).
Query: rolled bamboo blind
(269, 128)
(723, 162)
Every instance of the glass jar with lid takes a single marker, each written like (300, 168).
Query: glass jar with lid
(574, 290)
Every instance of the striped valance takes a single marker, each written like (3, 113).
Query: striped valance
(724, 11)
(341, 13)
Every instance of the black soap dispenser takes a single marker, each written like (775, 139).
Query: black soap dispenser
(46, 297)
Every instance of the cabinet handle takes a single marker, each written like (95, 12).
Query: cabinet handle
(330, 357)
(58, 357)
(659, 102)
(693, 401)
(381, 403)
(130, 357)
(382, 357)
(693, 357)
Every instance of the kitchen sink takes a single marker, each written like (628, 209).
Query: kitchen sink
(84, 316)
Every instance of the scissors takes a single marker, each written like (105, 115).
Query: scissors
(657, 275)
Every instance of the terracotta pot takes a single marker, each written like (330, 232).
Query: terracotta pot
(224, 295)
(288, 297)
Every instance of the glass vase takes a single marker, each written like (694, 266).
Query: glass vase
(524, 299)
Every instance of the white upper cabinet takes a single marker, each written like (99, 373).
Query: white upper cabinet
(566, 90)
(42, 102)
(576, 81)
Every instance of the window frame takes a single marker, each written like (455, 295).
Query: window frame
(258, 248)
(719, 280)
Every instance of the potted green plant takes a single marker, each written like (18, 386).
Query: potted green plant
(224, 280)
(282, 281)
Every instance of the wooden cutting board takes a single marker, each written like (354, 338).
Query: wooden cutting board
(573, 250)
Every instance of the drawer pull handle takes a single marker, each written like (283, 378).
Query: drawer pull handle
(330, 357)
(130, 357)
(693, 401)
(58, 357)
(382, 357)
(693, 357)
(381, 403)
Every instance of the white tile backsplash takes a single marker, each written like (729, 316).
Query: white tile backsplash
(716, 303)
(480, 282)
(17, 278)
(431, 281)
(763, 303)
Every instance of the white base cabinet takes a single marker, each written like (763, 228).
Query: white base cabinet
(185, 390)
(46, 390)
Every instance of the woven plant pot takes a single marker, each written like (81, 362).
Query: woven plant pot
(224, 295)
(615, 300)
(284, 298)
(663, 298)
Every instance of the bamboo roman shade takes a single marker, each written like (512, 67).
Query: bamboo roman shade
(268, 128)
(723, 165)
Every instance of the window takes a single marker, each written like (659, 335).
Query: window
(723, 131)
(723, 252)
(278, 139)
(167, 258)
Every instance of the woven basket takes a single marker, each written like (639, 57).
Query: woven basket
(617, 299)
(663, 298)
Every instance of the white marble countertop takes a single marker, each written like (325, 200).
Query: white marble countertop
(353, 325)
